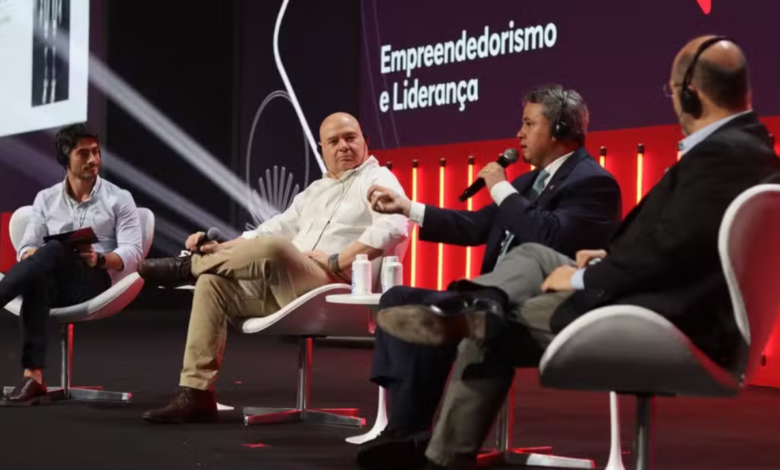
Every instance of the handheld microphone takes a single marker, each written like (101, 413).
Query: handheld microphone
(505, 159)
(213, 234)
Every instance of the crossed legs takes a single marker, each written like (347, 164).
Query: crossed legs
(484, 370)
(252, 279)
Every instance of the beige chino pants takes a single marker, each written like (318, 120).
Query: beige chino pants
(253, 279)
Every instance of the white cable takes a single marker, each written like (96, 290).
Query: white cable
(290, 91)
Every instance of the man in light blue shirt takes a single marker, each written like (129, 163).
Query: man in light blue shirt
(59, 274)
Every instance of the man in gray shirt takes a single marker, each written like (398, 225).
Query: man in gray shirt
(59, 274)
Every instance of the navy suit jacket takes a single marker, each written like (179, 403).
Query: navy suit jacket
(579, 208)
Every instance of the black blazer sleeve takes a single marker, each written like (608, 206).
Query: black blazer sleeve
(588, 210)
(678, 246)
(465, 228)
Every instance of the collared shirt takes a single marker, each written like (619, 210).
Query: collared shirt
(697, 137)
(504, 189)
(331, 214)
(110, 211)
(498, 192)
(685, 145)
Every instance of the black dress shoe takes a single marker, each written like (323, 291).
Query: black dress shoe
(167, 272)
(29, 391)
(188, 406)
(445, 323)
(391, 451)
(433, 466)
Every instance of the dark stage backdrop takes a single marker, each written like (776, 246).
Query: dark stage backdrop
(444, 81)
(178, 55)
(209, 66)
(318, 47)
(616, 53)
(27, 160)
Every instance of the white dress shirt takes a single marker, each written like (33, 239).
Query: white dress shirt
(498, 192)
(110, 211)
(331, 214)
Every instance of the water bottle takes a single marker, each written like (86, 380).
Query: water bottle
(361, 275)
(392, 273)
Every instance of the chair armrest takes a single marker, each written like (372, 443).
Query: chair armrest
(104, 305)
(108, 303)
(312, 315)
(631, 349)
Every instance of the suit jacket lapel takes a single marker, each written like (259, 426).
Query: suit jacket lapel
(561, 174)
(524, 182)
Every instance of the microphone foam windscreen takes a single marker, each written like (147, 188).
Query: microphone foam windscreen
(512, 155)
(213, 234)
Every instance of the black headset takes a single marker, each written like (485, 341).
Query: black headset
(689, 100)
(560, 129)
(63, 155)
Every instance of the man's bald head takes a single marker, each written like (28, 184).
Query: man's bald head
(343, 145)
(337, 120)
(720, 73)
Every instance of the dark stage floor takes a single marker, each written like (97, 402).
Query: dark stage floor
(140, 351)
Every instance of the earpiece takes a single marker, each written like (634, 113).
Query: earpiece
(63, 156)
(689, 100)
(560, 127)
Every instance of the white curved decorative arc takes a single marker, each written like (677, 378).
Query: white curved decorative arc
(276, 189)
(280, 203)
(290, 91)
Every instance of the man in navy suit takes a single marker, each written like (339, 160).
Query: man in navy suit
(664, 257)
(568, 203)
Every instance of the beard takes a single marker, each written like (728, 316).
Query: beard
(86, 174)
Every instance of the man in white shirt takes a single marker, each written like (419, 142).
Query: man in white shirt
(60, 274)
(311, 244)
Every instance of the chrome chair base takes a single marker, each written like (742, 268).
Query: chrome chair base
(331, 416)
(522, 457)
(85, 394)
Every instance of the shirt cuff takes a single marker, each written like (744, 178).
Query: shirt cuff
(129, 260)
(22, 251)
(417, 213)
(578, 280)
(501, 191)
(251, 234)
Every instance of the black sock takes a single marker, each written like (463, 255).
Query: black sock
(474, 290)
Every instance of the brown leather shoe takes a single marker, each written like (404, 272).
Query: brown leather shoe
(27, 391)
(167, 272)
(189, 405)
(447, 323)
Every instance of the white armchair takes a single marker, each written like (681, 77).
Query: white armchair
(633, 350)
(104, 305)
(307, 318)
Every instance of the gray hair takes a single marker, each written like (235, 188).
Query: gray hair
(568, 104)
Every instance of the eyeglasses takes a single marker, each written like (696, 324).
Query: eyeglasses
(668, 89)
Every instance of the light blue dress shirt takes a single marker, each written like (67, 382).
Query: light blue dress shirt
(697, 137)
(685, 145)
(110, 211)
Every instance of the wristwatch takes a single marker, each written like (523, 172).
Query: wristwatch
(333, 262)
(101, 260)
